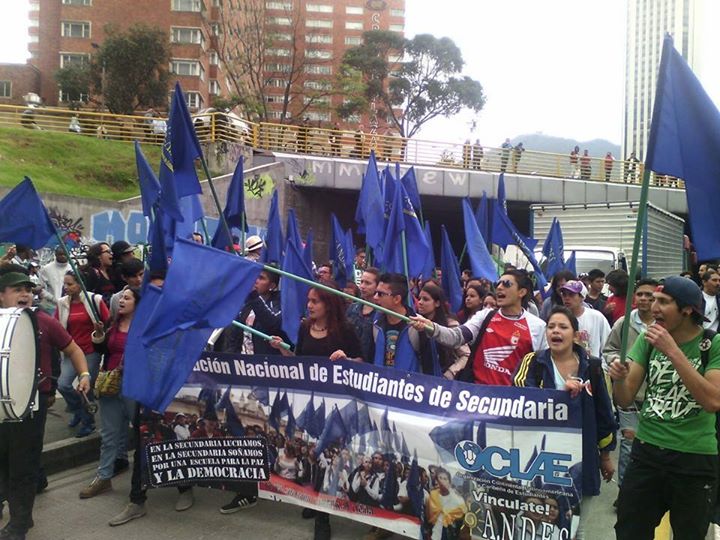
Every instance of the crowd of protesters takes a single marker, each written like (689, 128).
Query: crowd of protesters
(506, 333)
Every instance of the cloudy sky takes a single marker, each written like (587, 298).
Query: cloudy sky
(554, 67)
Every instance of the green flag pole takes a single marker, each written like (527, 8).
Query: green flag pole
(403, 241)
(641, 217)
(259, 334)
(223, 221)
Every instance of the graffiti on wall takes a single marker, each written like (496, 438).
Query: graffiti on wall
(259, 186)
(70, 228)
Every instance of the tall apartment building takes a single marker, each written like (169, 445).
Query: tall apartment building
(647, 23)
(66, 32)
(316, 33)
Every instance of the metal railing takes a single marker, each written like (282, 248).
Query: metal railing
(305, 139)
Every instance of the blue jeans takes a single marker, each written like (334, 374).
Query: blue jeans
(628, 420)
(67, 377)
(116, 413)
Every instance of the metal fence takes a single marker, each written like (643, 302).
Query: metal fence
(301, 139)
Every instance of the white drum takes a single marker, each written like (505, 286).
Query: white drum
(19, 363)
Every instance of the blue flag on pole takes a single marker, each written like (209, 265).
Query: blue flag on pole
(307, 252)
(234, 208)
(364, 423)
(156, 238)
(274, 236)
(203, 289)
(482, 216)
(409, 182)
(448, 435)
(501, 199)
(553, 249)
(349, 414)
(290, 426)
(24, 218)
(294, 293)
(481, 262)
(149, 184)
(570, 264)
(451, 283)
(261, 394)
(307, 414)
(316, 427)
(684, 142)
(153, 374)
(232, 421)
(333, 431)
(404, 219)
(342, 261)
(415, 490)
(292, 230)
(370, 209)
(429, 266)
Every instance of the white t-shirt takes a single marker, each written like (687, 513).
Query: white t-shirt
(594, 331)
(711, 312)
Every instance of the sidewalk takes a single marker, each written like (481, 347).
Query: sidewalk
(62, 449)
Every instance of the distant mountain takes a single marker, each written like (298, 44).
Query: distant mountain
(548, 143)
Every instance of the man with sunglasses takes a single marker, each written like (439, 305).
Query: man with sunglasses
(21, 443)
(501, 337)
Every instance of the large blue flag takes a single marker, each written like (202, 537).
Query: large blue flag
(24, 218)
(307, 414)
(501, 199)
(349, 414)
(429, 266)
(404, 220)
(292, 231)
(508, 229)
(338, 255)
(234, 208)
(307, 252)
(684, 142)
(156, 238)
(149, 184)
(370, 210)
(333, 431)
(294, 293)
(570, 264)
(153, 374)
(481, 262)
(364, 424)
(451, 283)
(409, 182)
(315, 427)
(205, 288)
(553, 249)
(274, 236)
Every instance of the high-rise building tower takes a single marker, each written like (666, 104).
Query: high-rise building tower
(647, 23)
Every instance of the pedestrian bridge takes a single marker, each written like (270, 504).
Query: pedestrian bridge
(315, 172)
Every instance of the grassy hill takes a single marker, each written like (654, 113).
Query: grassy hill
(71, 164)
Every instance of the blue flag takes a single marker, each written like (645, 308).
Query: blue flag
(291, 425)
(364, 424)
(370, 209)
(292, 230)
(390, 487)
(333, 431)
(374, 438)
(429, 266)
(501, 235)
(153, 374)
(232, 421)
(316, 427)
(275, 412)
(274, 236)
(446, 437)
(409, 182)
(684, 142)
(481, 262)
(293, 299)
(404, 450)
(307, 414)
(570, 264)
(24, 218)
(415, 490)
(403, 219)
(386, 437)
(149, 184)
(342, 261)
(234, 208)
(261, 394)
(204, 288)
(451, 283)
(553, 249)
(156, 238)
(349, 414)
(508, 229)
(501, 199)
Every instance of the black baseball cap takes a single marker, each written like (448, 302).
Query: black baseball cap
(685, 292)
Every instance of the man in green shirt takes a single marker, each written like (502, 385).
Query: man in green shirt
(674, 460)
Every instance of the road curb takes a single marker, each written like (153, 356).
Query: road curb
(69, 453)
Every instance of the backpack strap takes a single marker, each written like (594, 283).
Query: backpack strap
(466, 374)
(708, 336)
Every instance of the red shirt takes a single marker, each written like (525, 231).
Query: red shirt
(615, 307)
(505, 343)
(52, 336)
(116, 348)
(80, 325)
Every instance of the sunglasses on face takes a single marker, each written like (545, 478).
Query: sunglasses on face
(381, 294)
(506, 283)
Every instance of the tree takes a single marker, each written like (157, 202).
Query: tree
(74, 81)
(412, 81)
(130, 69)
(258, 57)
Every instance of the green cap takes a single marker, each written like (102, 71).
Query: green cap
(13, 279)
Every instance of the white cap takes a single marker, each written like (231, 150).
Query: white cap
(253, 243)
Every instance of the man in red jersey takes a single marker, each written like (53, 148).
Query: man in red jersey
(500, 337)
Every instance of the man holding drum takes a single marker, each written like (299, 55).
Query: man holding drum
(21, 442)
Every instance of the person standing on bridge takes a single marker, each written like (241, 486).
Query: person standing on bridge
(585, 167)
(609, 164)
(506, 147)
(517, 154)
(477, 155)
(575, 162)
